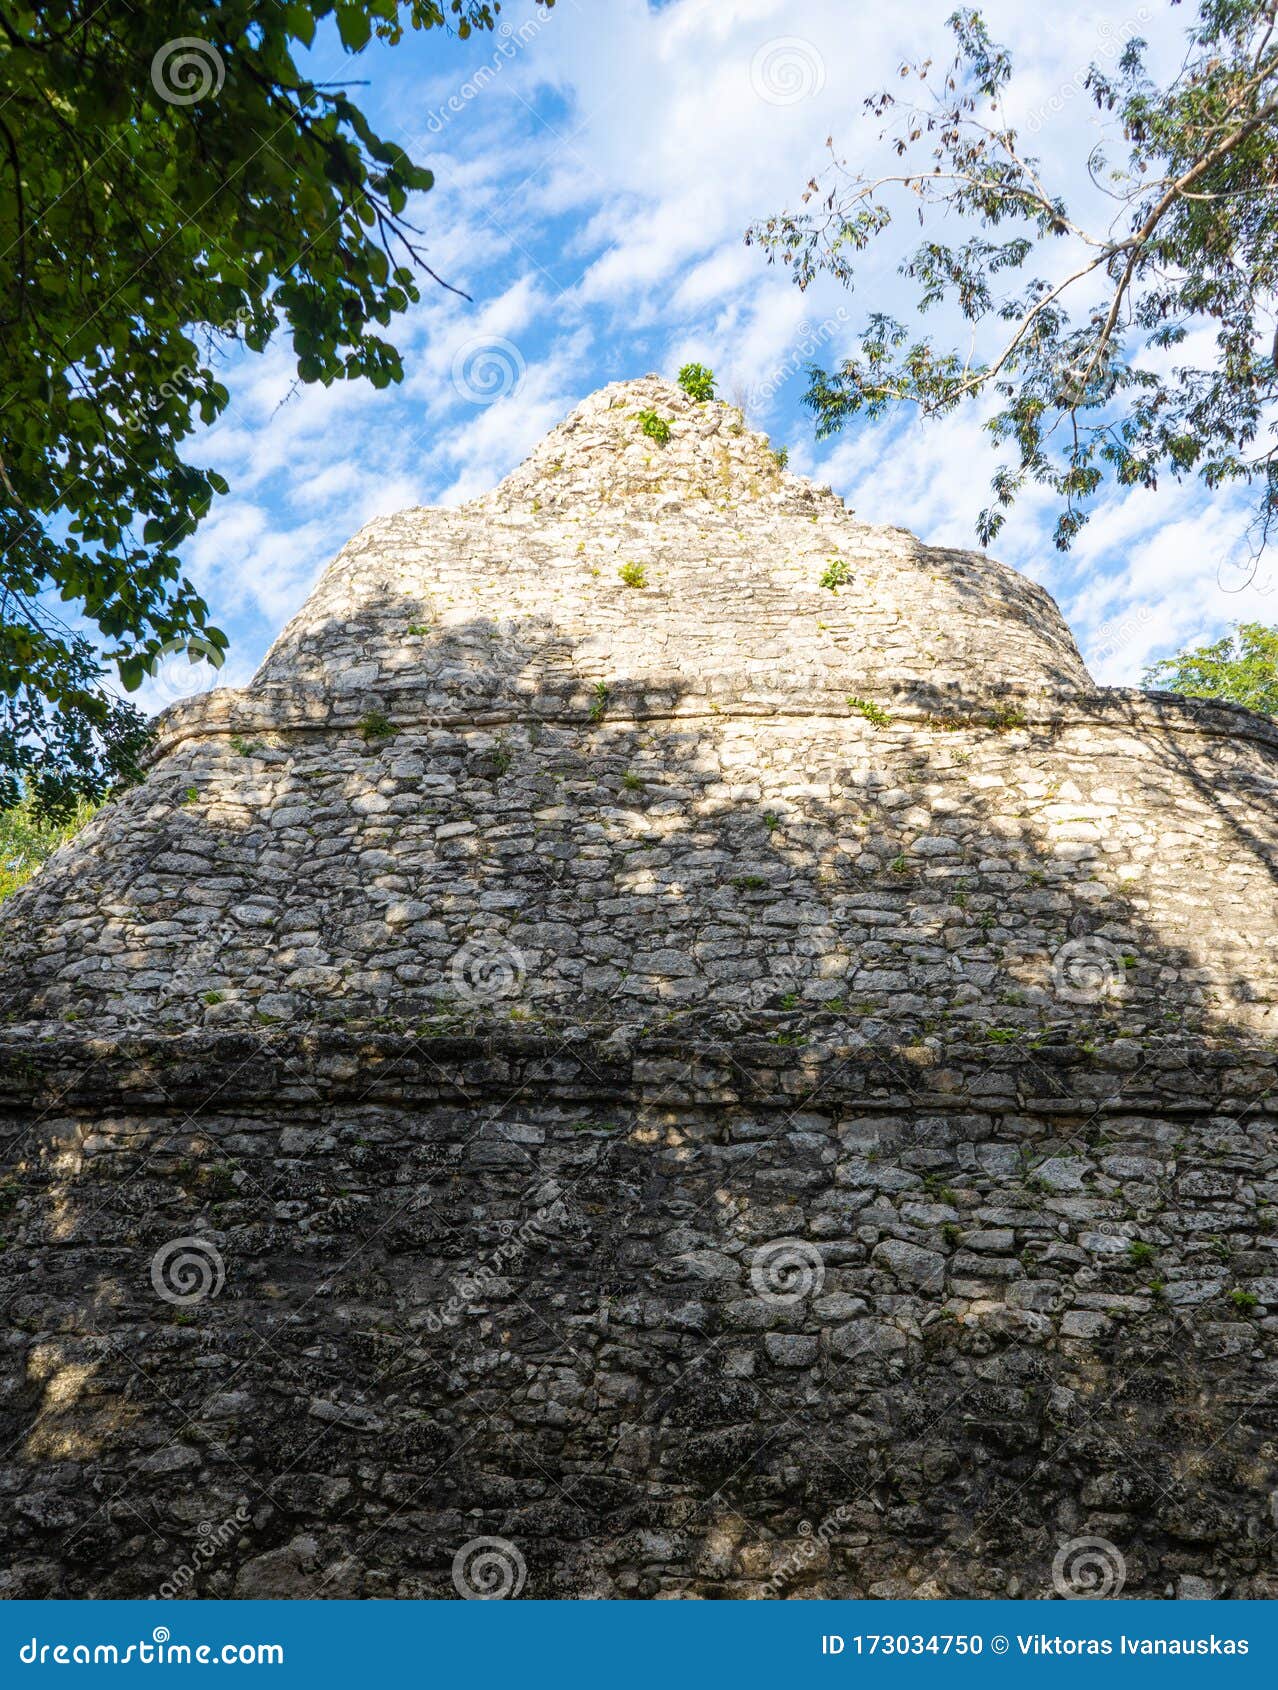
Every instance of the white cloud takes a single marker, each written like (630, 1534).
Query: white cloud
(593, 195)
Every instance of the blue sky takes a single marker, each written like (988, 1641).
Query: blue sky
(596, 168)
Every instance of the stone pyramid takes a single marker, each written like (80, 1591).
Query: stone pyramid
(671, 1042)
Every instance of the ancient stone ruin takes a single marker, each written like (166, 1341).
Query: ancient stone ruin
(671, 1043)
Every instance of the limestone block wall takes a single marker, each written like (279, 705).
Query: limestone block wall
(726, 1321)
(1016, 867)
(668, 1028)
(523, 589)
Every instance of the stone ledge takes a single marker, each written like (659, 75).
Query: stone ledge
(241, 712)
(159, 1071)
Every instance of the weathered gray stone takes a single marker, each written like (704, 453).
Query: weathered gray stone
(632, 1069)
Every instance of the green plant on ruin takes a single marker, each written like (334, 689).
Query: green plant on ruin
(836, 574)
(655, 427)
(375, 727)
(875, 714)
(1243, 1301)
(1140, 1254)
(633, 575)
(217, 1183)
(936, 1187)
(631, 781)
(697, 382)
(1006, 717)
(599, 703)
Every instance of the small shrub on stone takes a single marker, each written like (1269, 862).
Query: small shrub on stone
(874, 713)
(655, 427)
(375, 727)
(1006, 717)
(697, 382)
(837, 574)
(634, 575)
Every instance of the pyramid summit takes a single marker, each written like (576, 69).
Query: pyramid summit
(662, 1015)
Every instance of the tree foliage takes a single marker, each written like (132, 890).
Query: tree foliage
(1241, 667)
(170, 183)
(28, 838)
(1074, 330)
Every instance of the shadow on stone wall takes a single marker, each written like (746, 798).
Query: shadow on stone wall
(845, 1233)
